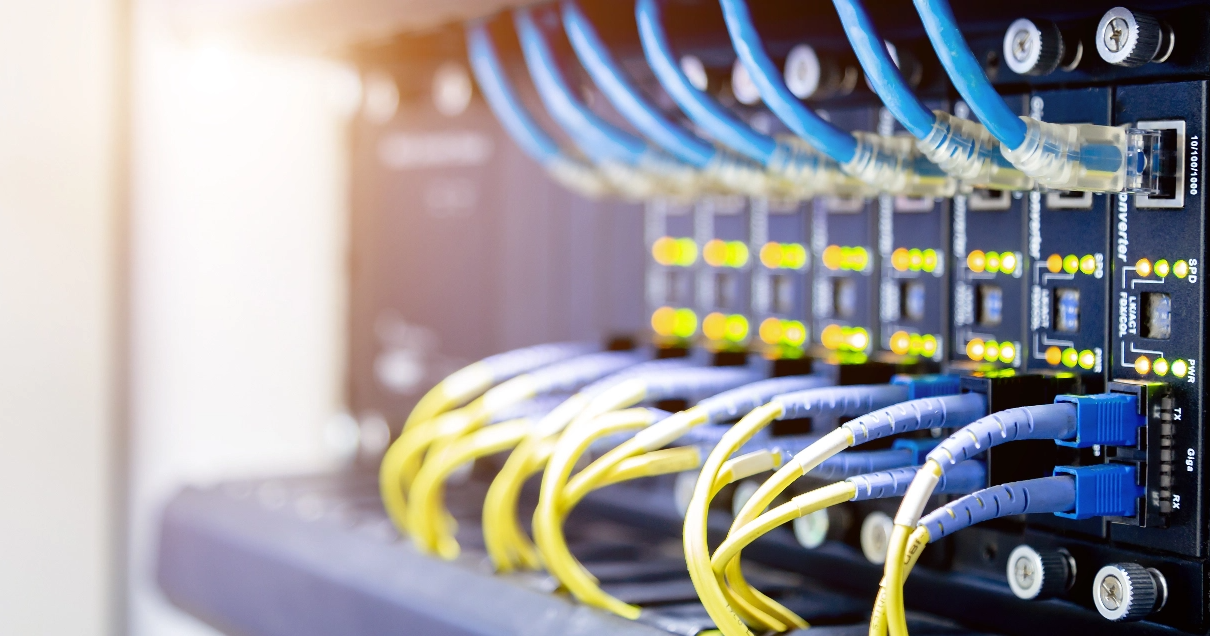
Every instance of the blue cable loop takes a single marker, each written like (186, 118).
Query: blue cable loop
(736, 402)
(1047, 494)
(625, 97)
(840, 145)
(577, 372)
(949, 411)
(840, 401)
(502, 97)
(851, 463)
(881, 70)
(961, 479)
(1045, 421)
(695, 384)
(707, 113)
(967, 74)
(596, 137)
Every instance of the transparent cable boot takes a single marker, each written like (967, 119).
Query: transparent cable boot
(730, 173)
(803, 173)
(1086, 157)
(578, 177)
(672, 177)
(965, 150)
(894, 165)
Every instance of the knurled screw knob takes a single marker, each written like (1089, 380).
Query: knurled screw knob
(1128, 591)
(1037, 47)
(1132, 38)
(1034, 574)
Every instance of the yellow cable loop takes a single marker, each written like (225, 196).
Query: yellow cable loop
(427, 511)
(916, 543)
(697, 550)
(661, 462)
(800, 506)
(894, 571)
(548, 518)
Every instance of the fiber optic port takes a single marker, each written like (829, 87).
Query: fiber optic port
(1067, 310)
(1062, 200)
(844, 298)
(990, 300)
(1157, 315)
(989, 200)
(1161, 164)
(912, 300)
(782, 290)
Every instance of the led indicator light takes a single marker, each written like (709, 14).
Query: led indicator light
(737, 328)
(686, 252)
(1160, 367)
(992, 262)
(1054, 263)
(1071, 263)
(858, 259)
(794, 333)
(1162, 268)
(1071, 358)
(1008, 262)
(974, 349)
(901, 342)
(832, 337)
(715, 253)
(1143, 267)
(714, 326)
(859, 339)
(684, 324)
(770, 331)
(991, 351)
(930, 260)
(793, 256)
(663, 321)
(833, 257)
(976, 261)
(1008, 352)
(928, 345)
(915, 344)
(1142, 365)
(1180, 269)
(770, 255)
(915, 259)
(1088, 264)
(1180, 368)
(901, 259)
(665, 250)
(1088, 359)
(1054, 356)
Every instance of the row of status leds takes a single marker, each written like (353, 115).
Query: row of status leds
(915, 344)
(669, 322)
(979, 261)
(717, 326)
(1144, 268)
(839, 338)
(775, 331)
(854, 259)
(783, 255)
(720, 253)
(1070, 358)
(1071, 264)
(914, 260)
(1161, 367)
(991, 351)
(674, 252)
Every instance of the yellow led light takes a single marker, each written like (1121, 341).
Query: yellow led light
(1071, 357)
(1008, 352)
(858, 259)
(770, 331)
(794, 333)
(991, 351)
(833, 257)
(928, 345)
(1162, 268)
(901, 342)
(663, 320)
(686, 252)
(1088, 264)
(1054, 356)
(1054, 263)
(930, 260)
(664, 250)
(737, 328)
(976, 261)
(992, 262)
(770, 255)
(1180, 368)
(714, 326)
(737, 254)
(915, 259)
(1142, 365)
(715, 253)
(901, 260)
(1180, 269)
(1160, 366)
(974, 349)
(1008, 263)
(793, 256)
(1088, 359)
(916, 344)
(1143, 267)
(859, 339)
(832, 337)
(1071, 263)
(685, 323)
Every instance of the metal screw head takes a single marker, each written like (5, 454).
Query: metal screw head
(1024, 572)
(1110, 592)
(1022, 43)
(1116, 34)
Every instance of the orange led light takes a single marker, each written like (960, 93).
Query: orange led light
(714, 326)
(1054, 263)
(833, 257)
(975, 349)
(664, 250)
(1143, 267)
(663, 320)
(832, 337)
(715, 253)
(976, 261)
(770, 331)
(1142, 365)
(1054, 356)
(901, 259)
(901, 342)
(770, 255)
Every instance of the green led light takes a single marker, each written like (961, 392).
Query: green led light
(793, 255)
(737, 328)
(992, 262)
(1088, 359)
(1162, 268)
(1088, 264)
(915, 259)
(1071, 263)
(684, 323)
(794, 333)
(859, 259)
(930, 260)
(1071, 357)
(737, 254)
(1180, 368)
(686, 253)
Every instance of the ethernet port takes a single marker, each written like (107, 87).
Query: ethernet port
(844, 298)
(1157, 315)
(1162, 164)
(989, 200)
(990, 299)
(1066, 306)
(782, 290)
(912, 300)
(1063, 200)
(726, 290)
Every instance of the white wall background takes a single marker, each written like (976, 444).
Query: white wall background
(238, 267)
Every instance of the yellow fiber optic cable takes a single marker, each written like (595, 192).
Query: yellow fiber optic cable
(916, 544)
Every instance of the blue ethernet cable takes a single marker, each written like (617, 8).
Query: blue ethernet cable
(825, 137)
(597, 138)
(624, 95)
